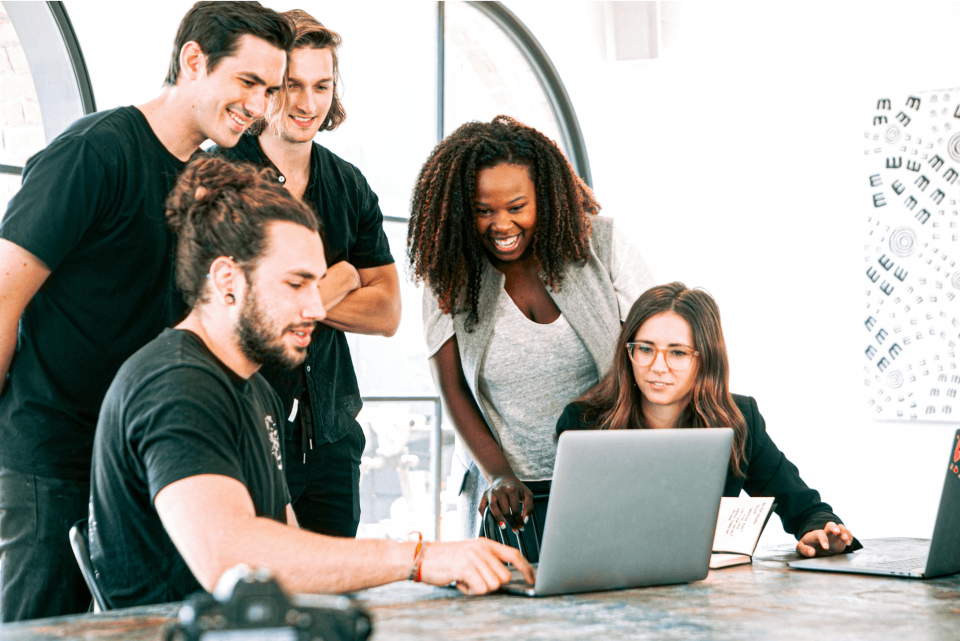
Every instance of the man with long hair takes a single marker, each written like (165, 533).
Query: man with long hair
(86, 279)
(187, 466)
(361, 290)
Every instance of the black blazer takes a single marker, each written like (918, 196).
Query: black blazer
(768, 472)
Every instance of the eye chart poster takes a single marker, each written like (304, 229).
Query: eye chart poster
(911, 322)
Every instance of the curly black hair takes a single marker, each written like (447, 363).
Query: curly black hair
(442, 246)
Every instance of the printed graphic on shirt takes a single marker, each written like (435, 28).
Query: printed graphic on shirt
(274, 439)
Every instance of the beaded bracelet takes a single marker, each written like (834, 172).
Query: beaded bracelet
(417, 558)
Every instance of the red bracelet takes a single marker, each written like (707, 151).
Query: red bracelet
(417, 558)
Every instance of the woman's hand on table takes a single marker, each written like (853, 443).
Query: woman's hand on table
(832, 539)
(510, 501)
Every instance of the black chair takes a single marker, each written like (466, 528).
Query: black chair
(528, 541)
(81, 550)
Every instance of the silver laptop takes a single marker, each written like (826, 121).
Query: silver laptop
(630, 508)
(915, 558)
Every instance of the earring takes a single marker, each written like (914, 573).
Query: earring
(230, 300)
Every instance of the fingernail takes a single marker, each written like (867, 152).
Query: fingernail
(514, 530)
(502, 526)
(521, 528)
(525, 519)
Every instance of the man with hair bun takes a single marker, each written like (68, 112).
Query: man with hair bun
(86, 279)
(361, 290)
(187, 466)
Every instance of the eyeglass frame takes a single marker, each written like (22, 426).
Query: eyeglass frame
(656, 352)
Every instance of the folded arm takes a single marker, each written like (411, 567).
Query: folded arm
(362, 301)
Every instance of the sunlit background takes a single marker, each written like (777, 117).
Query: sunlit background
(732, 158)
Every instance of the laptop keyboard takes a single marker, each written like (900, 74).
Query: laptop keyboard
(517, 582)
(916, 563)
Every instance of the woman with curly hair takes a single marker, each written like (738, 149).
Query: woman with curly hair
(670, 370)
(526, 288)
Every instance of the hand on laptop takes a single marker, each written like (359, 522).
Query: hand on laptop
(511, 502)
(477, 565)
(832, 539)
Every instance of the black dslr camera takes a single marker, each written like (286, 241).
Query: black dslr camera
(248, 604)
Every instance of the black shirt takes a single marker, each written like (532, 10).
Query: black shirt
(768, 472)
(353, 231)
(91, 208)
(174, 411)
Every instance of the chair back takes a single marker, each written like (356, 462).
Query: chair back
(528, 541)
(81, 550)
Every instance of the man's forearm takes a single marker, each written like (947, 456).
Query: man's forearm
(340, 280)
(365, 311)
(306, 562)
(374, 308)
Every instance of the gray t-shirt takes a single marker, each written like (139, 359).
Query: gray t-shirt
(525, 383)
(529, 374)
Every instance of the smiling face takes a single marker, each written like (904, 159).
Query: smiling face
(282, 303)
(659, 384)
(226, 100)
(309, 93)
(506, 210)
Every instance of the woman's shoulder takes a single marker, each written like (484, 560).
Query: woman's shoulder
(748, 407)
(572, 419)
(744, 403)
(604, 223)
(602, 236)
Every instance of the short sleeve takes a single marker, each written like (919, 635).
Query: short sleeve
(372, 248)
(628, 271)
(61, 198)
(437, 326)
(178, 435)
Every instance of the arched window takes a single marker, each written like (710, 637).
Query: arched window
(43, 84)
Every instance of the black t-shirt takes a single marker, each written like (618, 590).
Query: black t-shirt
(353, 231)
(174, 411)
(91, 208)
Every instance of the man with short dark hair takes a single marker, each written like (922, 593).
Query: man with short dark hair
(361, 290)
(187, 468)
(86, 273)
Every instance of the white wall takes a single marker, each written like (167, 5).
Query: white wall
(735, 162)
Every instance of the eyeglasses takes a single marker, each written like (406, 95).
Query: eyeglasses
(676, 358)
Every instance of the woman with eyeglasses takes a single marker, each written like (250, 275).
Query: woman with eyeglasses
(670, 371)
(526, 288)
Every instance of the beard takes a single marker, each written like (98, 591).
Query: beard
(260, 342)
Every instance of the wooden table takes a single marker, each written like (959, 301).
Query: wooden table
(764, 601)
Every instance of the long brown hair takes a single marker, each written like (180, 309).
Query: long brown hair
(310, 33)
(442, 245)
(615, 402)
(219, 208)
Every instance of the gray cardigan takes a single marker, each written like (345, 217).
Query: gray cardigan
(587, 300)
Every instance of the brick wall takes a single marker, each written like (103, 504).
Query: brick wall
(21, 125)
